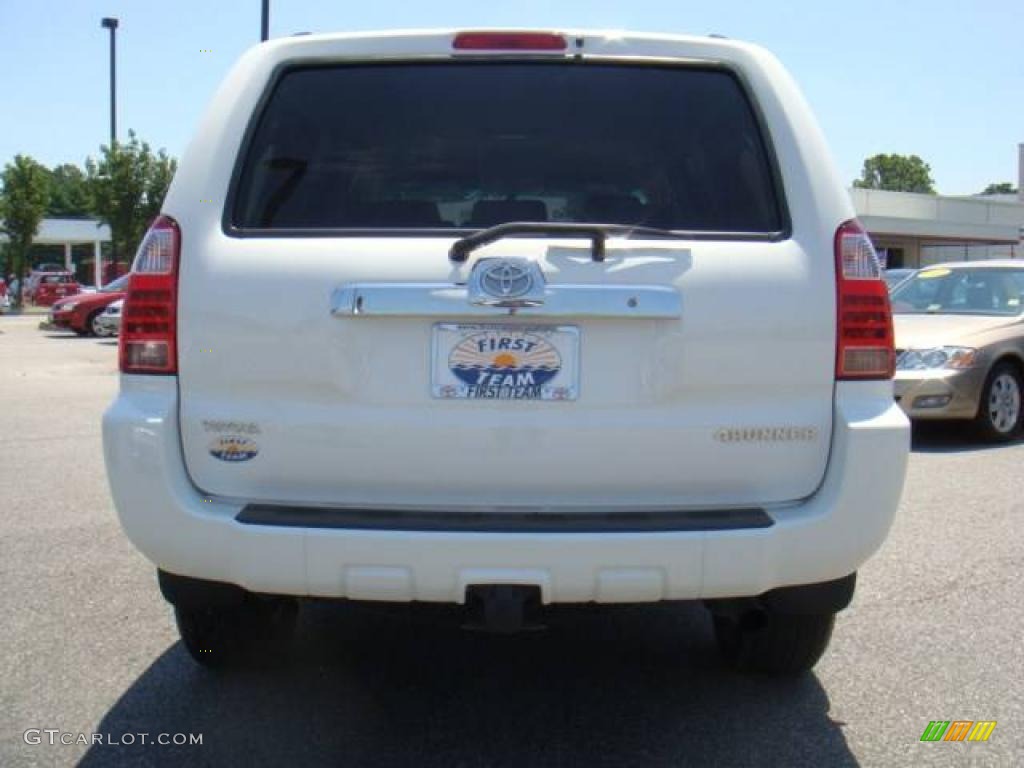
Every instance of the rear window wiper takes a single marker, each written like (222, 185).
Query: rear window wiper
(597, 233)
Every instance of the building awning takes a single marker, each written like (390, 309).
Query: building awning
(935, 217)
(61, 231)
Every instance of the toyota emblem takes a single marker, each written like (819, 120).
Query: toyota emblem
(506, 280)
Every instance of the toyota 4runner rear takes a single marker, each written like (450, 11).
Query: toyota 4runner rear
(507, 319)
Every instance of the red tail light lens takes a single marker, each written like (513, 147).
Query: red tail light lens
(509, 41)
(864, 335)
(148, 339)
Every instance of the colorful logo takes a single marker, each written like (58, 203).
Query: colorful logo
(505, 363)
(233, 448)
(958, 730)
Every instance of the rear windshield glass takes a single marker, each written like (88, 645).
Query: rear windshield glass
(471, 145)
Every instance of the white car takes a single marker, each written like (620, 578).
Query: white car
(108, 323)
(507, 319)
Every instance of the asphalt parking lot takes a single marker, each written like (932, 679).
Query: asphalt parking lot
(936, 632)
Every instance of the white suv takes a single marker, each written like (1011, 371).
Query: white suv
(507, 319)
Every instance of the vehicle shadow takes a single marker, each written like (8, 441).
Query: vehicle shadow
(949, 437)
(64, 336)
(385, 687)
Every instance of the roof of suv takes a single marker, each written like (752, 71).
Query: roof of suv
(613, 35)
(580, 41)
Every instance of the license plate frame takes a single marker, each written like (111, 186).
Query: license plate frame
(512, 362)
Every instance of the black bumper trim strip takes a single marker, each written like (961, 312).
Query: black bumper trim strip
(504, 522)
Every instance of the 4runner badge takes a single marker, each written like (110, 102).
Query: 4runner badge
(766, 434)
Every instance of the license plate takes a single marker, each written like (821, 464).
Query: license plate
(505, 362)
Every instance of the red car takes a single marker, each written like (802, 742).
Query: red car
(79, 313)
(53, 286)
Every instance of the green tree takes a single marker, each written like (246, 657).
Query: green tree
(896, 173)
(126, 187)
(1001, 188)
(161, 173)
(23, 200)
(68, 194)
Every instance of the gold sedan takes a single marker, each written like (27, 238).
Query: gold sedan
(960, 345)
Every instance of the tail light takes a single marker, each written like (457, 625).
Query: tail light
(864, 335)
(148, 339)
(509, 41)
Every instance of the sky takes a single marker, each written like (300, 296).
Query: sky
(941, 79)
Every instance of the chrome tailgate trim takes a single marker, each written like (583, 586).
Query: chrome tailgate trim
(449, 300)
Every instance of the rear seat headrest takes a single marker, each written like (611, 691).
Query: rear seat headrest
(487, 213)
(403, 213)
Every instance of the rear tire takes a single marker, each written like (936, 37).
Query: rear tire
(258, 630)
(999, 407)
(763, 641)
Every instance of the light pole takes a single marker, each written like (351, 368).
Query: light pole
(265, 21)
(111, 24)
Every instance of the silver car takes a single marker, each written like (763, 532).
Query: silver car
(109, 321)
(960, 344)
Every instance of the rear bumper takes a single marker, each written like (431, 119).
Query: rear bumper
(827, 536)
